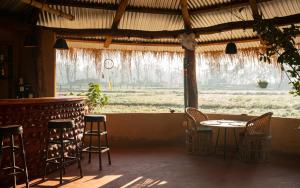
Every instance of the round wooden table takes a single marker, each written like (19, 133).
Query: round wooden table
(225, 124)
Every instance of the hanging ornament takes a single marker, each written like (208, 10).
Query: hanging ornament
(108, 63)
(109, 85)
(188, 41)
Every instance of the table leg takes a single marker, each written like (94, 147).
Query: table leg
(236, 142)
(217, 141)
(225, 134)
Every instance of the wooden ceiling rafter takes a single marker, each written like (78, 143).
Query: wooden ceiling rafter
(254, 8)
(119, 13)
(279, 21)
(154, 43)
(185, 15)
(256, 15)
(47, 8)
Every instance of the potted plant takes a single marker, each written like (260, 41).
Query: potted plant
(280, 43)
(262, 84)
(95, 97)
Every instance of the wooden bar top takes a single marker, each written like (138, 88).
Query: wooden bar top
(39, 100)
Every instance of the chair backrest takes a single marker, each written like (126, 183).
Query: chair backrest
(195, 116)
(259, 125)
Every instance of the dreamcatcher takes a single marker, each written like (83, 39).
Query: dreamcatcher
(108, 65)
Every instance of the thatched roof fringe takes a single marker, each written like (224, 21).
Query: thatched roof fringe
(129, 58)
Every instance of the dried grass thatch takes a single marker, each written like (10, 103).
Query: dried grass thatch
(127, 57)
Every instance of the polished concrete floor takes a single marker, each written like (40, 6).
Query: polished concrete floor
(172, 167)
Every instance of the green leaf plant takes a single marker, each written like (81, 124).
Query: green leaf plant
(280, 43)
(95, 97)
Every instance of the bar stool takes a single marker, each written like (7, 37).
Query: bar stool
(61, 125)
(99, 132)
(10, 131)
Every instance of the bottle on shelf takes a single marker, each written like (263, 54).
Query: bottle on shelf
(21, 89)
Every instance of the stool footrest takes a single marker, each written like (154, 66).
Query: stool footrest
(13, 167)
(95, 133)
(8, 147)
(95, 149)
(15, 173)
(68, 159)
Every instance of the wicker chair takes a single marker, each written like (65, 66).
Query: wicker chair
(198, 137)
(255, 140)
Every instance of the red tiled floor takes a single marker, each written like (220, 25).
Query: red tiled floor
(171, 167)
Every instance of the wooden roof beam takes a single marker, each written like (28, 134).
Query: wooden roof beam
(279, 21)
(45, 7)
(254, 8)
(185, 15)
(155, 43)
(256, 15)
(119, 13)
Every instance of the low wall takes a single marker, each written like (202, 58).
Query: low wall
(158, 129)
(141, 129)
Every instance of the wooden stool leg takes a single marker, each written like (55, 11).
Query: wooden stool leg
(61, 156)
(217, 140)
(99, 142)
(90, 144)
(24, 158)
(12, 145)
(107, 143)
(77, 153)
(1, 146)
(82, 141)
(47, 153)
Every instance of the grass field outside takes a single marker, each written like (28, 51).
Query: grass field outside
(161, 100)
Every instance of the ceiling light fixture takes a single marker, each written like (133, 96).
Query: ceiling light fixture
(60, 43)
(231, 46)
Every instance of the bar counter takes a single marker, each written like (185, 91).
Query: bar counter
(33, 114)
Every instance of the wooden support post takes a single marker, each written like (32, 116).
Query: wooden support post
(192, 90)
(190, 81)
(46, 65)
(185, 77)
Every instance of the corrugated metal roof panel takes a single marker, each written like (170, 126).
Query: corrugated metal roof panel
(222, 16)
(101, 1)
(236, 34)
(170, 4)
(96, 18)
(150, 22)
(84, 18)
(279, 8)
(204, 3)
(163, 40)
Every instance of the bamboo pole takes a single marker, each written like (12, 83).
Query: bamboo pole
(45, 7)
